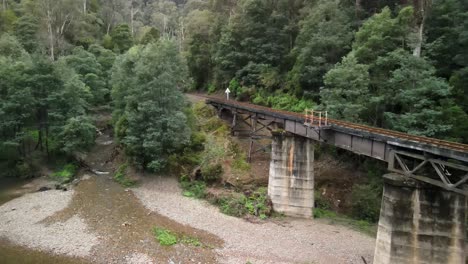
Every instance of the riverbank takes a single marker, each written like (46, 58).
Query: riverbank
(285, 240)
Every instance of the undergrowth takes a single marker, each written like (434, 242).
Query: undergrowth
(122, 178)
(66, 174)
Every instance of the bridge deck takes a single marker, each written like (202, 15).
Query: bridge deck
(398, 139)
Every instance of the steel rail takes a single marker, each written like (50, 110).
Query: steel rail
(345, 124)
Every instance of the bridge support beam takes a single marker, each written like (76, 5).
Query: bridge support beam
(291, 180)
(420, 223)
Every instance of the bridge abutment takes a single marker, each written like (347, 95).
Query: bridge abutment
(291, 180)
(420, 223)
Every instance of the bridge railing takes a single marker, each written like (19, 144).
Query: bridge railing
(316, 118)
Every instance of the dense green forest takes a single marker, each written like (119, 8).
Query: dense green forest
(396, 64)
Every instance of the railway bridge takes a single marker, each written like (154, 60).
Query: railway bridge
(424, 205)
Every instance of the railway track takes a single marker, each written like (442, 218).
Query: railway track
(345, 124)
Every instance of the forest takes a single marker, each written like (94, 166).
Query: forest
(396, 64)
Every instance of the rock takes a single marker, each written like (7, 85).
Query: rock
(44, 189)
(61, 187)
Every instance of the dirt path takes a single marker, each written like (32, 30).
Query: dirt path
(287, 241)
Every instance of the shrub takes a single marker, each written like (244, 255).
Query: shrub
(257, 204)
(211, 172)
(366, 203)
(164, 236)
(320, 201)
(234, 206)
(195, 189)
(211, 88)
(121, 177)
(66, 174)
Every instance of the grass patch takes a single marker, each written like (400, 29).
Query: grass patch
(166, 237)
(66, 174)
(121, 176)
(334, 218)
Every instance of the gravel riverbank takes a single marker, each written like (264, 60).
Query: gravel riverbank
(290, 241)
(22, 222)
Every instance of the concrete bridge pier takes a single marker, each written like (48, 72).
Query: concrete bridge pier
(291, 180)
(420, 223)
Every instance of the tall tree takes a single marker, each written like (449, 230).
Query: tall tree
(346, 90)
(122, 38)
(154, 109)
(325, 37)
(254, 41)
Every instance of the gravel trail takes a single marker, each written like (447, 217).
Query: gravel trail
(292, 241)
(21, 221)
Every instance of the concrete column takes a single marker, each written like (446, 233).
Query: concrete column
(291, 180)
(420, 223)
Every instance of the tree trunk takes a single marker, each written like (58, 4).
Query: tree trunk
(131, 22)
(422, 9)
(85, 3)
(51, 35)
(4, 5)
(419, 40)
(358, 7)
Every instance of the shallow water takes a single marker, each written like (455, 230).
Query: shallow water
(9, 189)
(12, 254)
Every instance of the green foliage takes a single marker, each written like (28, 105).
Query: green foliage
(366, 203)
(240, 162)
(26, 31)
(7, 20)
(381, 34)
(324, 38)
(107, 42)
(257, 204)
(152, 35)
(147, 90)
(321, 202)
(346, 90)
(122, 39)
(284, 101)
(164, 236)
(211, 172)
(334, 218)
(121, 177)
(233, 206)
(255, 38)
(195, 189)
(77, 134)
(66, 174)
(420, 100)
(90, 71)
